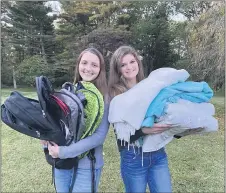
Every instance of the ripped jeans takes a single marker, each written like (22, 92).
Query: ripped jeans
(150, 169)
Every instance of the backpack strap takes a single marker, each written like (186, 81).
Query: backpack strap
(73, 179)
(44, 89)
(79, 86)
(53, 174)
(91, 156)
(82, 98)
(69, 86)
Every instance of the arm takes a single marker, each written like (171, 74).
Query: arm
(157, 128)
(90, 142)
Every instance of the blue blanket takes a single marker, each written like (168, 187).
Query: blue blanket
(197, 92)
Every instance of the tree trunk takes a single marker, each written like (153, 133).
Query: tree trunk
(43, 52)
(14, 79)
(42, 47)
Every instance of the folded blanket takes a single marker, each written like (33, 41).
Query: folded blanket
(185, 115)
(197, 92)
(154, 98)
(157, 141)
(191, 115)
(128, 110)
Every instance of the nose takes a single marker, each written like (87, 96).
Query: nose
(128, 66)
(88, 68)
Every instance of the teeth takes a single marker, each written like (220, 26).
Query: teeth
(131, 71)
(88, 74)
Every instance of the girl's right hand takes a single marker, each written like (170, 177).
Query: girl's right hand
(157, 128)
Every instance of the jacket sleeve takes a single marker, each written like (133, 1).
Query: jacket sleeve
(90, 142)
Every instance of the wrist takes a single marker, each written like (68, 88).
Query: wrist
(146, 130)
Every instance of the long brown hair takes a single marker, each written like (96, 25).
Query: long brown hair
(100, 82)
(117, 84)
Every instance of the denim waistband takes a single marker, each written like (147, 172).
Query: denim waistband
(135, 149)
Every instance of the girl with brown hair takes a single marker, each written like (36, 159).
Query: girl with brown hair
(90, 68)
(137, 168)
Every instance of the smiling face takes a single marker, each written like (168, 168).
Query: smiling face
(89, 67)
(129, 67)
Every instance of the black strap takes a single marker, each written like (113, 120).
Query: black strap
(93, 176)
(79, 86)
(53, 173)
(91, 156)
(73, 179)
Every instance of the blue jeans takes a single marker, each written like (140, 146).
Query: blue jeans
(82, 183)
(154, 172)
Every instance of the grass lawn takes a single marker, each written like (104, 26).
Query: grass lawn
(196, 162)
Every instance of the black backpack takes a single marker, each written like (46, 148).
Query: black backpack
(66, 110)
(25, 116)
(50, 118)
(57, 116)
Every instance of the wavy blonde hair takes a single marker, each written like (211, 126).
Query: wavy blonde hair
(117, 84)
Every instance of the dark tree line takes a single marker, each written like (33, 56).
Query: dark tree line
(34, 42)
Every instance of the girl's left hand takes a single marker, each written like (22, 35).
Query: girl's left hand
(53, 149)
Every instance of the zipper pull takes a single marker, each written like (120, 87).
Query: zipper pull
(38, 134)
(43, 113)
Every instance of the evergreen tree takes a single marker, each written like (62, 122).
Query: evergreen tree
(152, 37)
(30, 31)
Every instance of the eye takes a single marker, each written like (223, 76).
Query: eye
(84, 62)
(122, 65)
(132, 61)
(94, 65)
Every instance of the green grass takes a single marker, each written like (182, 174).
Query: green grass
(196, 162)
